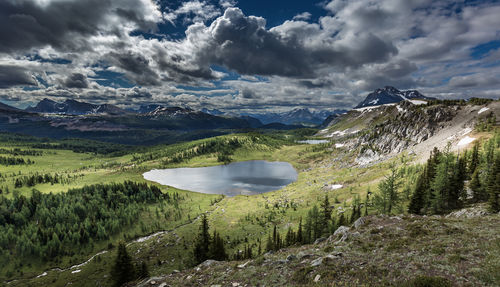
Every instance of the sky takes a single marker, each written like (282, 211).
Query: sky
(245, 56)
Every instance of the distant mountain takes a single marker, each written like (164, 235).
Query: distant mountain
(148, 108)
(389, 95)
(214, 112)
(4, 107)
(298, 116)
(72, 107)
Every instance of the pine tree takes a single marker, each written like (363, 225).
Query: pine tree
(143, 271)
(493, 185)
(417, 200)
(388, 196)
(478, 192)
(300, 239)
(202, 244)
(341, 221)
(123, 269)
(269, 244)
(368, 192)
(217, 249)
(326, 215)
(474, 161)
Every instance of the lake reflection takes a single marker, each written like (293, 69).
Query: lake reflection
(246, 178)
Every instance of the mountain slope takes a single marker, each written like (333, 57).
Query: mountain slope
(72, 107)
(389, 95)
(374, 251)
(378, 132)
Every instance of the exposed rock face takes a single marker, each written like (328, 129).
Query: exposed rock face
(412, 126)
(388, 95)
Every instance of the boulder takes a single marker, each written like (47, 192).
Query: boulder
(319, 240)
(207, 263)
(317, 262)
(291, 257)
(359, 222)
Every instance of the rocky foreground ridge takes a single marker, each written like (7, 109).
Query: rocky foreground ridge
(460, 249)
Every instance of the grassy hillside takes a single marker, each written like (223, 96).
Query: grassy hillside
(243, 221)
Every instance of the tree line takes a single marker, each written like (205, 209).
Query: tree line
(440, 186)
(46, 226)
(20, 152)
(14, 161)
(32, 180)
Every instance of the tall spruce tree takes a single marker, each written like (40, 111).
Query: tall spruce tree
(417, 200)
(387, 198)
(493, 185)
(123, 270)
(478, 192)
(326, 215)
(202, 244)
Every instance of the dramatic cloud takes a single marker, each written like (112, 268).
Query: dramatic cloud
(15, 76)
(66, 25)
(210, 53)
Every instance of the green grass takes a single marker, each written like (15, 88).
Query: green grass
(243, 219)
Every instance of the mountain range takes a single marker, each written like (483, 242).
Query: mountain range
(389, 95)
(73, 107)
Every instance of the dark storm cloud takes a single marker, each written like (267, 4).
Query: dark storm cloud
(243, 44)
(136, 68)
(62, 24)
(11, 76)
(76, 80)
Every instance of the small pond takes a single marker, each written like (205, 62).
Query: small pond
(313, 141)
(246, 178)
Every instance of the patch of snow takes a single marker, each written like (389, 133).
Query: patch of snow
(354, 131)
(372, 107)
(374, 102)
(465, 141)
(336, 133)
(338, 145)
(76, 271)
(335, 186)
(482, 110)
(41, 275)
(400, 109)
(418, 102)
(466, 131)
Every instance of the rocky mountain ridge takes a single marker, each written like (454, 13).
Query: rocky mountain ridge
(389, 95)
(382, 131)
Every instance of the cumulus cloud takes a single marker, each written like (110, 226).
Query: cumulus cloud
(193, 11)
(11, 76)
(304, 16)
(67, 25)
(64, 47)
(76, 80)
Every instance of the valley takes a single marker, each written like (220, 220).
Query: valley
(362, 149)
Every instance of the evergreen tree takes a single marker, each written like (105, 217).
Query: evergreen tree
(342, 220)
(143, 271)
(123, 269)
(478, 192)
(493, 185)
(417, 200)
(388, 196)
(474, 161)
(217, 249)
(300, 239)
(326, 215)
(202, 244)
(269, 244)
(367, 199)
